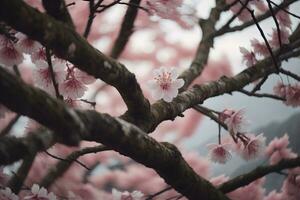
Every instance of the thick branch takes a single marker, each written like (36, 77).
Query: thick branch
(260, 18)
(126, 29)
(257, 173)
(201, 57)
(13, 149)
(58, 10)
(114, 133)
(59, 37)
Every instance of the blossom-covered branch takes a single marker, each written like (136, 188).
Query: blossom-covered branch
(115, 133)
(67, 44)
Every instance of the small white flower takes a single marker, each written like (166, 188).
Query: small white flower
(165, 84)
(40, 194)
(8, 194)
(135, 195)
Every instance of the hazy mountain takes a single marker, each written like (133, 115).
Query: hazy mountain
(290, 126)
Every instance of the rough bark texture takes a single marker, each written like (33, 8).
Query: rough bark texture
(62, 39)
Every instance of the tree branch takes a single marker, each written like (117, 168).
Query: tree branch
(260, 18)
(63, 165)
(257, 173)
(126, 29)
(201, 57)
(59, 38)
(58, 10)
(114, 133)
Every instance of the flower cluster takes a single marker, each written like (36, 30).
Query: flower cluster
(291, 93)
(71, 82)
(259, 49)
(248, 146)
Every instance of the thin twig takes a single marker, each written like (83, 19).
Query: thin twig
(261, 95)
(276, 22)
(257, 173)
(291, 74)
(63, 165)
(158, 193)
(52, 74)
(263, 36)
(285, 10)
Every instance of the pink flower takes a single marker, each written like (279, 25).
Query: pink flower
(26, 45)
(165, 84)
(164, 8)
(284, 36)
(84, 77)
(73, 86)
(254, 148)
(38, 193)
(248, 57)
(39, 54)
(260, 48)
(9, 55)
(234, 120)
(291, 93)
(284, 19)
(135, 195)
(42, 76)
(7, 194)
(244, 15)
(260, 5)
(219, 153)
(278, 149)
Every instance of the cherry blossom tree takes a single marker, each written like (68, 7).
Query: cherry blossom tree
(106, 95)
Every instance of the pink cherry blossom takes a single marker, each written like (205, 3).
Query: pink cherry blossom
(260, 5)
(284, 36)
(39, 54)
(73, 87)
(244, 15)
(278, 149)
(291, 93)
(259, 48)
(219, 153)
(135, 195)
(284, 19)
(84, 77)
(42, 75)
(248, 57)
(165, 84)
(9, 54)
(164, 8)
(234, 120)
(254, 148)
(26, 45)
(291, 187)
(7, 194)
(40, 193)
